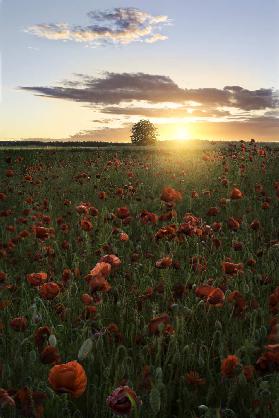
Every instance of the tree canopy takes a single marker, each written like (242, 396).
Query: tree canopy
(144, 133)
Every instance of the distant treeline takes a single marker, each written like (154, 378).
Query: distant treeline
(61, 144)
(101, 144)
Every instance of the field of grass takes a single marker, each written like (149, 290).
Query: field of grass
(155, 272)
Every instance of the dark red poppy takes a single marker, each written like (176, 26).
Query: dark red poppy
(123, 401)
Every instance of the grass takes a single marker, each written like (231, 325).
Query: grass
(202, 336)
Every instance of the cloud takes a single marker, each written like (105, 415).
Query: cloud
(180, 112)
(104, 134)
(117, 88)
(264, 98)
(119, 25)
(261, 128)
(155, 38)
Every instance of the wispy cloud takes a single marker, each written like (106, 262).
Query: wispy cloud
(119, 25)
(259, 127)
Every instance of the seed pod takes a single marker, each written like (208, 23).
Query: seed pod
(85, 349)
(155, 400)
(52, 340)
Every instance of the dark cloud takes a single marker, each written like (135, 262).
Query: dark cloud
(271, 122)
(116, 88)
(120, 25)
(264, 98)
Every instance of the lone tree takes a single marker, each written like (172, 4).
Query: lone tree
(144, 133)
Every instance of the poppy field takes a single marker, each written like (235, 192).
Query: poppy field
(141, 283)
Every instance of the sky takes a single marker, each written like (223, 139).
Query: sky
(89, 69)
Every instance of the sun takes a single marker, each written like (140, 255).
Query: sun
(181, 133)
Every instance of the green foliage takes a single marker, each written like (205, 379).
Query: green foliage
(144, 133)
(203, 335)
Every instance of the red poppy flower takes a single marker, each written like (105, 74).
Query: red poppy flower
(229, 366)
(203, 291)
(155, 323)
(86, 299)
(193, 378)
(112, 259)
(50, 355)
(123, 237)
(232, 268)
(164, 262)
(102, 269)
(3, 276)
(99, 284)
(123, 401)
(36, 279)
(30, 403)
(236, 194)
(248, 371)
(102, 195)
(19, 324)
(122, 213)
(41, 336)
(216, 297)
(49, 290)
(170, 195)
(233, 224)
(86, 225)
(68, 378)
(255, 225)
(213, 211)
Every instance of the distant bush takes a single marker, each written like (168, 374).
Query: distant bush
(144, 133)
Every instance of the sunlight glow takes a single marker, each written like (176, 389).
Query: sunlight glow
(181, 133)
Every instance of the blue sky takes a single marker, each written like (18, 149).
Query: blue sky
(201, 45)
